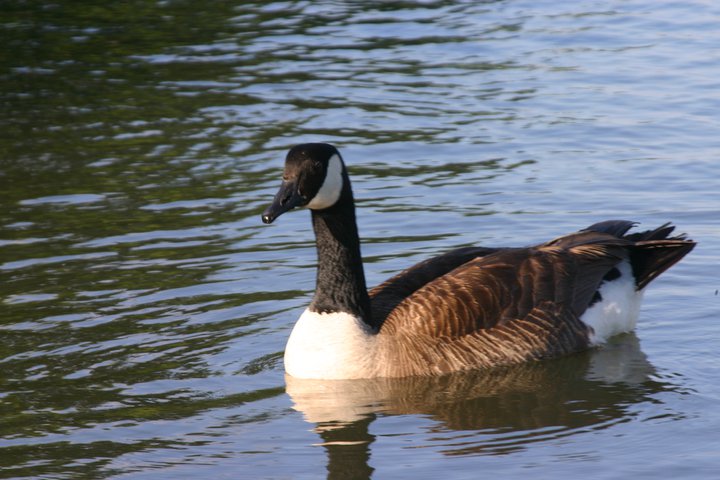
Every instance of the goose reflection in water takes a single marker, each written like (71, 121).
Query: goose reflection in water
(508, 407)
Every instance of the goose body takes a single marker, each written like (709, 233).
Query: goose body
(470, 308)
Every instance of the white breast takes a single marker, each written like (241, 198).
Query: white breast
(331, 346)
(619, 308)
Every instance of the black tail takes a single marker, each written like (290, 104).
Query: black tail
(653, 252)
(650, 258)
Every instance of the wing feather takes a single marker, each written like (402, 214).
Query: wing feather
(505, 286)
(386, 296)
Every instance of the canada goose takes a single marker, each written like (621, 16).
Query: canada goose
(472, 307)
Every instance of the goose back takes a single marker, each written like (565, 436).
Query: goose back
(386, 296)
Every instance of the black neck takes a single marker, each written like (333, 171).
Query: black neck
(340, 277)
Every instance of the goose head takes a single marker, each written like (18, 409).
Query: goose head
(313, 177)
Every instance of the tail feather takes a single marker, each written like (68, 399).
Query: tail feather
(660, 233)
(652, 251)
(650, 258)
(616, 228)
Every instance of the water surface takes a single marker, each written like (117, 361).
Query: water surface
(144, 308)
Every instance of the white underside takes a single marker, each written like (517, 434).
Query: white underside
(618, 310)
(331, 346)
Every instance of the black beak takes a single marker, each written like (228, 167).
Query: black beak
(286, 199)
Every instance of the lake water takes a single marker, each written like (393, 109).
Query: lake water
(144, 308)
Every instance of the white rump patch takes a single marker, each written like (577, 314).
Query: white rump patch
(330, 346)
(331, 188)
(619, 308)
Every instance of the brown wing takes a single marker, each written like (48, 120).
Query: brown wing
(546, 331)
(504, 287)
(386, 296)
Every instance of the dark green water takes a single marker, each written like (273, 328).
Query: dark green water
(144, 308)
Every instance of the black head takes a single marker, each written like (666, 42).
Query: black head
(313, 177)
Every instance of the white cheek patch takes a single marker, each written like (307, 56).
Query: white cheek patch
(331, 188)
